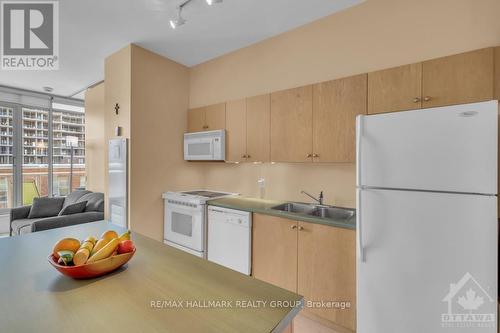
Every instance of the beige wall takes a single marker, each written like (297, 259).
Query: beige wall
(160, 96)
(117, 89)
(94, 138)
(374, 35)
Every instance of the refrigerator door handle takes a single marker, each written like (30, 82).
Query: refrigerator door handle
(359, 234)
(359, 135)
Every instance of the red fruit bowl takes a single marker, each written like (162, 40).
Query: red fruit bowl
(95, 269)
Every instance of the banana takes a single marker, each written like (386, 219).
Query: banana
(105, 252)
(91, 239)
(81, 256)
(125, 236)
(99, 245)
(87, 245)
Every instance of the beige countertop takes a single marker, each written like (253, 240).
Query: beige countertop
(263, 206)
(161, 289)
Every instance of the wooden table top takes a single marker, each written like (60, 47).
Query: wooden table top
(161, 289)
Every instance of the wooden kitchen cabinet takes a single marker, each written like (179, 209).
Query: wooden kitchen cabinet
(314, 260)
(207, 118)
(196, 120)
(291, 125)
(274, 250)
(335, 107)
(258, 129)
(248, 129)
(236, 131)
(395, 89)
(458, 79)
(327, 270)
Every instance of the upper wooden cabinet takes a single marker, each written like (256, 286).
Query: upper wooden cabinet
(395, 89)
(207, 118)
(291, 125)
(335, 107)
(236, 130)
(274, 251)
(248, 129)
(458, 79)
(327, 270)
(258, 128)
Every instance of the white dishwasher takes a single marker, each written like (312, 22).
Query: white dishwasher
(230, 238)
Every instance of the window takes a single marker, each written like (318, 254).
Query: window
(37, 132)
(68, 126)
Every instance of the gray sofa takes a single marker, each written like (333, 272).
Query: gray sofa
(25, 220)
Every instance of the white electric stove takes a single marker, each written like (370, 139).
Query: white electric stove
(185, 225)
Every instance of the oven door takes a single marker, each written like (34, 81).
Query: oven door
(184, 225)
(199, 149)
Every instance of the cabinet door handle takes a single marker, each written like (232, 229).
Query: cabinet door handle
(294, 226)
(248, 156)
(309, 155)
(205, 126)
(427, 98)
(301, 228)
(416, 100)
(243, 156)
(315, 155)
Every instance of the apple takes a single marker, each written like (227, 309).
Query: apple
(125, 246)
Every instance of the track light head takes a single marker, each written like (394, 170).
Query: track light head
(179, 20)
(211, 2)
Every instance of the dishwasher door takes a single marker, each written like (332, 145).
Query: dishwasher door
(230, 238)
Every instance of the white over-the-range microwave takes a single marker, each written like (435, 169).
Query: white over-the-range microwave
(205, 146)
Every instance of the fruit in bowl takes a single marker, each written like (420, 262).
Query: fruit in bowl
(92, 257)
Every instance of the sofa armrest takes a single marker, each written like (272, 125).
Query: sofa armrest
(20, 213)
(17, 214)
(66, 221)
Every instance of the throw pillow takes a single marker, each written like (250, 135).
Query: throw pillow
(78, 207)
(45, 207)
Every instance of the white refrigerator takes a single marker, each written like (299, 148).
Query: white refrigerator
(427, 238)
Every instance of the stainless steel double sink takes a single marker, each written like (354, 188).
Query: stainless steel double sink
(324, 212)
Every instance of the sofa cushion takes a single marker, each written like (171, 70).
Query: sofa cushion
(45, 207)
(22, 226)
(95, 202)
(74, 196)
(77, 207)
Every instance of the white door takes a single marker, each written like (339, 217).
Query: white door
(415, 246)
(443, 149)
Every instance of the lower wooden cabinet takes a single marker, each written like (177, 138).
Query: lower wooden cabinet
(314, 260)
(327, 270)
(274, 251)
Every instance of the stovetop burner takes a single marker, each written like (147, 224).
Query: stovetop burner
(206, 194)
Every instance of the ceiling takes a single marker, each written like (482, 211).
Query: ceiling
(91, 30)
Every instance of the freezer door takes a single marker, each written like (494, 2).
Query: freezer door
(430, 260)
(443, 149)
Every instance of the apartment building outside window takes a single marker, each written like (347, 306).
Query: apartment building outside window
(34, 155)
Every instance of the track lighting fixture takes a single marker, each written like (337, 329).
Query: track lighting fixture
(211, 2)
(179, 20)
